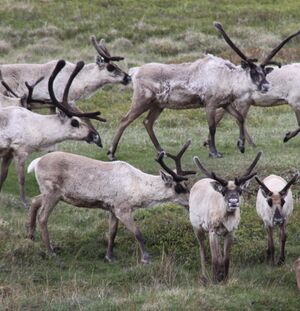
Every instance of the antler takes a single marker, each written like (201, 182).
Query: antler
(211, 175)
(102, 50)
(247, 175)
(178, 157)
(30, 91)
(176, 177)
(64, 106)
(9, 89)
(277, 49)
(220, 28)
(264, 187)
(289, 184)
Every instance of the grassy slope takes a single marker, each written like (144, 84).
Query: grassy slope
(144, 31)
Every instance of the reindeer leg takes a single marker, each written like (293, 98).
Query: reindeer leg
(31, 225)
(236, 114)
(6, 160)
(283, 237)
(131, 115)
(211, 112)
(227, 246)
(149, 122)
(271, 248)
(20, 159)
(216, 257)
(219, 116)
(49, 201)
(294, 133)
(200, 235)
(112, 232)
(127, 220)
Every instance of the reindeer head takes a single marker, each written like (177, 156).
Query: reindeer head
(104, 61)
(276, 199)
(77, 119)
(230, 189)
(257, 72)
(176, 180)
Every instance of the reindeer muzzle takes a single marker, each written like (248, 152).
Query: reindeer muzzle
(94, 138)
(232, 205)
(277, 218)
(127, 79)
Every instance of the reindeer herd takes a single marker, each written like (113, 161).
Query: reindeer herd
(213, 83)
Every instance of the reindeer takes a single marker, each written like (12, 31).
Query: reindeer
(296, 267)
(284, 89)
(274, 205)
(23, 132)
(92, 77)
(211, 82)
(116, 187)
(215, 209)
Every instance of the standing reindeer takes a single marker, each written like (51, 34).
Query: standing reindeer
(23, 132)
(274, 205)
(92, 76)
(215, 209)
(116, 187)
(210, 82)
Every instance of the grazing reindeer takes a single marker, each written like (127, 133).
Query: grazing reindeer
(92, 76)
(274, 205)
(23, 132)
(215, 209)
(116, 187)
(210, 82)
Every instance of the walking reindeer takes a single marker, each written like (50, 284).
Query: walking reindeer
(210, 82)
(115, 186)
(215, 210)
(23, 132)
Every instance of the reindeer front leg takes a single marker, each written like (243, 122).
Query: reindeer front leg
(126, 218)
(201, 238)
(271, 248)
(20, 158)
(216, 257)
(283, 236)
(227, 246)
(240, 120)
(211, 115)
(6, 160)
(112, 232)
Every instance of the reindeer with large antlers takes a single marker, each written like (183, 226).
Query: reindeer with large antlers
(215, 209)
(92, 77)
(23, 132)
(284, 89)
(211, 82)
(116, 187)
(274, 205)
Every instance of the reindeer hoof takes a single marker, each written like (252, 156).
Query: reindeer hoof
(110, 258)
(287, 137)
(240, 144)
(215, 155)
(281, 261)
(146, 259)
(111, 156)
(26, 204)
(205, 143)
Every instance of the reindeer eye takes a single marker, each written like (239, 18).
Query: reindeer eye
(270, 202)
(75, 123)
(110, 67)
(282, 202)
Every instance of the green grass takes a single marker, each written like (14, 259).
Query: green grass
(149, 31)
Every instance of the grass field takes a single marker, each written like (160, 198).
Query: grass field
(150, 31)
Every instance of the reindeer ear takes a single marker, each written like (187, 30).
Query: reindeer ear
(61, 115)
(245, 184)
(263, 192)
(244, 64)
(168, 180)
(218, 187)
